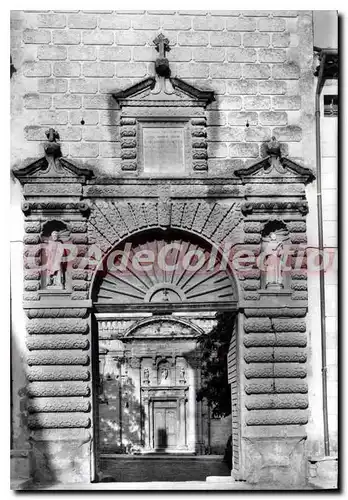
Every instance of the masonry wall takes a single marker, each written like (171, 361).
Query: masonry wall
(67, 64)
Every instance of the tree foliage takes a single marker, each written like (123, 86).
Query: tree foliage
(214, 346)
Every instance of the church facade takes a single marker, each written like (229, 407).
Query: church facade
(165, 172)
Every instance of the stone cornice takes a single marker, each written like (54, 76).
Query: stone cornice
(275, 169)
(49, 170)
(125, 97)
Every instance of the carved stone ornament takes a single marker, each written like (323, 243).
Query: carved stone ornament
(52, 166)
(162, 63)
(275, 168)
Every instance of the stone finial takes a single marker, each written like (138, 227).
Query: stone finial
(162, 63)
(273, 148)
(51, 147)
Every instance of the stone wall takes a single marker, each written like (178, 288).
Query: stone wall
(68, 63)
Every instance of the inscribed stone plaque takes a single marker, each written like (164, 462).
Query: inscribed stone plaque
(163, 150)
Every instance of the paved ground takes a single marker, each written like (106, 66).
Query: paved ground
(212, 484)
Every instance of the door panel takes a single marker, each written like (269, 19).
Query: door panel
(165, 425)
(171, 426)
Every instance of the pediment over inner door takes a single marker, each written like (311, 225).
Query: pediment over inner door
(168, 270)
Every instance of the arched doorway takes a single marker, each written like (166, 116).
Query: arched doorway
(154, 296)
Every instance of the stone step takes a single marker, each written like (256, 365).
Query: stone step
(127, 468)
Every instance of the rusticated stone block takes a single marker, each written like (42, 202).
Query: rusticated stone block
(249, 274)
(79, 238)
(262, 72)
(55, 389)
(128, 121)
(56, 405)
(300, 285)
(280, 386)
(275, 370)
(80, 274)
(252, 227)
(79, 285)
(258, 325)
(98, 37)
(299, 295)
(32, 227)
(277, 417)
(244, 150)
(57, 313)
(252, 238)
(287, 102)
(225, 39)
(261, 386)
(298, 238)
(41, 342)
(274, 24)
(276, 401)
(282, 355)
(128, 154)
(251, 284)
(286, 71)
(288, 325)
(31, 286)
(199, 154)
(31, 239)
(296, 226)
(193, 39)
(256, 40)
(79, 296)
(57, 358)
(273, 118)
(293, 339)
(37, 69)
(30, 296)
(290, 370)
(200, 165)
(32, 275)
(36, 36)
(299, 274)
(284, 386)
(65, 325)
(251, 296)
(298, 312)
(128, 132)
(290, 133)
(45, 373)
(57, 420)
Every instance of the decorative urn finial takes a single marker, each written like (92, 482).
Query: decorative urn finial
(273, 147)
(51, 147)
(162, 63)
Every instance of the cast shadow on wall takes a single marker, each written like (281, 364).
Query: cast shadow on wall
(120, 416)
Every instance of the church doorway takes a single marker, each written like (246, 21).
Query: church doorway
(148, 323)
(166, 424)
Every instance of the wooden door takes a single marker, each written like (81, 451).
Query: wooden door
(165, 425)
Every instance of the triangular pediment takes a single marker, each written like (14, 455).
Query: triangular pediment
(155, 89)
(275, 169)
(48, 169)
